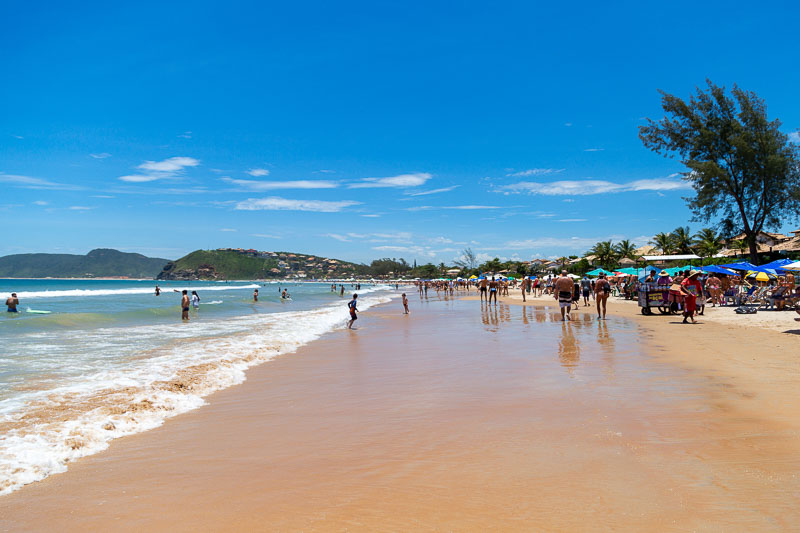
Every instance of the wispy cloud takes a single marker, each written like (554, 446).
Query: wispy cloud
(231, 230)
(29, 182)
(157, 170)
(572, 220)
(258, 172)
(185, 135)
(275, 203)
(252, 185)
(795, 137)
(79, 208)
(397, 236)
(18, 136)
(568, 124)
(101, 155)
(434, 191)
(459, 207)
(325, 171)
(264, 236)
(594, 150)
(590, 187)
(40, 202)
(402, 180)
(371, 216)
(535, 172)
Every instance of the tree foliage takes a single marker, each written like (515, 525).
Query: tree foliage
(743, 169)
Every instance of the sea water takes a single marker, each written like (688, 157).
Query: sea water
(112, 359)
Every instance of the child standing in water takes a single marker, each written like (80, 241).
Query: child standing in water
(405, 304)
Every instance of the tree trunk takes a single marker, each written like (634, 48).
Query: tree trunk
(751, 242)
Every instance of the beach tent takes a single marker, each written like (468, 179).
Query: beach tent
(719, 270)
(742, 265)
(778, 264)
(598, 271)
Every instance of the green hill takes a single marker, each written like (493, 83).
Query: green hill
(102, 262)
(211, 264)
(235, 263)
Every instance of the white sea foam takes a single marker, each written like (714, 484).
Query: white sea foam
(41, 431)
(133, 290)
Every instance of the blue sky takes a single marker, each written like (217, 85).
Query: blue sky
(361, 130)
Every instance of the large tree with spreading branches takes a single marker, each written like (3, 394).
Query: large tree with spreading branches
(743, 169)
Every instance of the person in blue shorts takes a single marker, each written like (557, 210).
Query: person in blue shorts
(12, 303)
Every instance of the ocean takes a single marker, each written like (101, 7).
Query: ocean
(111, 359)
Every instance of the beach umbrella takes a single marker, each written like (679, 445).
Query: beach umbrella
(792, 266)
(473, 277)
(742, 265)
(778, 264)
(760, 276)
(719, 270)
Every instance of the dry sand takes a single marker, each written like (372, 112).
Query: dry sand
(461, 417)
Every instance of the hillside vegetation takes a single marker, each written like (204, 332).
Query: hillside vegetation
(102, 262)
(207, 264)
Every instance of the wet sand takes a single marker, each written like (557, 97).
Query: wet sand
(462, 417)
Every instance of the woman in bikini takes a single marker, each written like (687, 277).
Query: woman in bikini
(602, 290)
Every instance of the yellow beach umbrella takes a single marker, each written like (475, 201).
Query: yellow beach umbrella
(759, 276)
(473, 277)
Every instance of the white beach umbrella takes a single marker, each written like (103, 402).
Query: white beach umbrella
(792, 266)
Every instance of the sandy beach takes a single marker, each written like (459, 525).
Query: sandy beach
(462, 417)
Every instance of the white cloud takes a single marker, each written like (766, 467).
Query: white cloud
(275, 203)
(173, 164)
(257, 172)
(18, 136)
(568, 124)
(28, 182)
(102, 155)
(434, 191)
(102, 196)
(594, 150)
(80, 208)
(40, 202)
(274, 185)
(536, 172)
(326, 171)
(402, 180)
(589, 187)
(228, 229)
(400, 236)
(185, 135)
(371, 216)
(572, 220)
(157, 170)
(264, 235)
(794, 137)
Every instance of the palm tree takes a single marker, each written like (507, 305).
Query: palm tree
(707, 243)
(740, 245)
(604, 251)
(625, 248)
(682, 239)
(663, 242)
(563, 261)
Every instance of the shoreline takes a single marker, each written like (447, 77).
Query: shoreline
(406, 423)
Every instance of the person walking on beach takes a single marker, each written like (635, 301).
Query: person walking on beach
(690, 288)
(405, 304)
(185, 305)
(255, 295)
(195, 300)
(12, 302)
(562, 290)
(353, 309)
(602, 290)
(493, 291)
(526, 282)
(482, 288)
(586, 289)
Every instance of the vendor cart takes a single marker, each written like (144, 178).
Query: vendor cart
(655, 296)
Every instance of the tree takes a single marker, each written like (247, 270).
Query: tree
(604, 251)
(682, 240)
(663, 242)
(625, 248)
(468, 260)
(743, 169)
(707, 243)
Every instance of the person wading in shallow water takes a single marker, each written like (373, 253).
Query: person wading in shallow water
(352, 306)
(563, 293)
(185, 305)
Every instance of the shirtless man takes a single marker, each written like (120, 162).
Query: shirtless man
(493, 285)
(602, 290)
(12, 302)
(562, 292)
(526, 282)
(185, 305)
(255, 295)
(483, 286)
